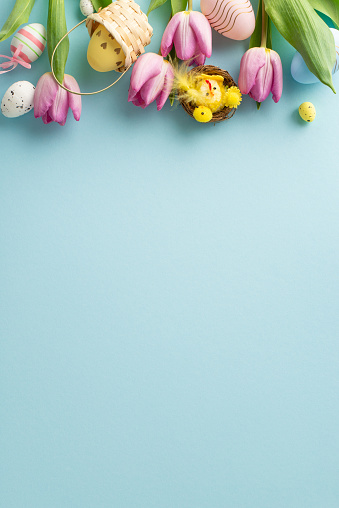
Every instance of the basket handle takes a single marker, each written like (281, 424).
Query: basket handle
(72, 91)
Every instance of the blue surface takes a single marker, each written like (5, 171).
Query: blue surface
(169, 299)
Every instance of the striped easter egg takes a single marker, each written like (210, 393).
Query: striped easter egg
(232, 18)
(33, 39)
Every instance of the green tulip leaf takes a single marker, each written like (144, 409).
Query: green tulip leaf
(255, 41)
(178, 6)
(97, 4)
(328, 7)
(18, 16)
(155, 4)
(56, 29)
(301, 26)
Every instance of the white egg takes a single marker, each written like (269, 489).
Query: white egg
(18, 99)
(86, 7)
(301, 73)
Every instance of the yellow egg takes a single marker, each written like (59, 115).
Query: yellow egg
(104, 53)
(307, 111)
(202, 114)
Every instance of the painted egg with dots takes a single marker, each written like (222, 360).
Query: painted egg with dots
(32, 38)
(307, 112)
(86, 7)
(231, 18)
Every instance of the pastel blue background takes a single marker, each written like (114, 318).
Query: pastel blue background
(169, 299)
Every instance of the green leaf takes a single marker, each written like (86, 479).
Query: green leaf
(301, 26)
(97, 4)
(255, 41)
(56, 29)
(328, 7)
(178, 6)
(18, 16)
(155, 4)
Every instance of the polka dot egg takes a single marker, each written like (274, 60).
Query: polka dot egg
(32, 39)
(18, 99)
(307, 111)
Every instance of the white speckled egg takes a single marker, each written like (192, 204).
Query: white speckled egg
(33, 39)
(86, 7)
(230, 18)
(301, 73)
(18, 99)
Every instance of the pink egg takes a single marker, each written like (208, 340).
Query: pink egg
(32, 40)
(232, 18)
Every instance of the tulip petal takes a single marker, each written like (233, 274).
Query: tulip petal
(167, 88)
(146, 67)
(252, 61)
(277, 86)
(153, 87)
(74, 100)
(44, 95)
(202, 31)
(59, 109)
(263, 84)
(169, 33)
(46, 118)
(184, 39)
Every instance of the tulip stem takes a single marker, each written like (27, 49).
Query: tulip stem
(264, 26)
(190, 5)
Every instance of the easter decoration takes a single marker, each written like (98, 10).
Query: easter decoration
(86, 7)
(207, 93)
(27, 46)
(119, 33)
(18, 99)
(230, 18)
(307, 112)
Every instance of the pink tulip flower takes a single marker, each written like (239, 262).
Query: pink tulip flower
(261, 73)
(191, 34)
(51, 102)
(151, 80)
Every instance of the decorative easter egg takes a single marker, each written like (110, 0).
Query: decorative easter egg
(86, 7)
(18, 99)
(230, 18)
(104, 53)
(301, 73)
(307, 111)
(33, 40)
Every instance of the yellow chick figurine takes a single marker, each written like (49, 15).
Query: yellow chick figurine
(212, 92)
(207, 92)
(104, 54)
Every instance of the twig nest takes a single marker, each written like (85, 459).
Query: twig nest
(127, 25)
(195, 110)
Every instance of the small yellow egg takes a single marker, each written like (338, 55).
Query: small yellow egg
(104, 53)
(202, 114)
(307, 111)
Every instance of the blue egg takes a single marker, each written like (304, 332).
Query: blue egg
(300, 71)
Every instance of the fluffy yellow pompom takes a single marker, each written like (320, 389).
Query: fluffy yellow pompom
(233, 97)
(202, 114)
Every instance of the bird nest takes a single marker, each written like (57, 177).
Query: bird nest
(224, 114)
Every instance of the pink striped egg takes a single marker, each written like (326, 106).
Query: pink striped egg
(33, 39)
(232, 18)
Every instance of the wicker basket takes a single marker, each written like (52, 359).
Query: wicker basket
(224, 114)
(125, 21)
